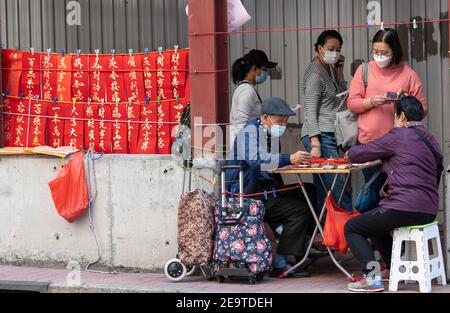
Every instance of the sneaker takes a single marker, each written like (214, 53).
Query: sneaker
(297, 273)
(367, 285)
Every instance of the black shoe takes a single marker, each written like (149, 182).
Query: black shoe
(297, 273)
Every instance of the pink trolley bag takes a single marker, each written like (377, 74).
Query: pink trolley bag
(241, 248)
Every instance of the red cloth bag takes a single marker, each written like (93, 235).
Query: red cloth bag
(334, 225)
(69, 189)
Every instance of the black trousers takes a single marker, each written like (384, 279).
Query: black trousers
(291, 210)
(377, 225)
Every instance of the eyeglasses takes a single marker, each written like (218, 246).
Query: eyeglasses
(381, 52)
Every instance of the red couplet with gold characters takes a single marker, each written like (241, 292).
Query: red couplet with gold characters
(12, 71)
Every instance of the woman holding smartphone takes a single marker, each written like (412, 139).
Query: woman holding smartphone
(323, 80)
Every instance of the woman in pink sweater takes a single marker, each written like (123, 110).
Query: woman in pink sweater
(387, 74)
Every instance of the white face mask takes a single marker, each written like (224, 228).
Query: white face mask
(331, 57)
(382, 60)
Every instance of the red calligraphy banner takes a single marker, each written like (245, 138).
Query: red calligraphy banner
(64, 78)
(176, 111)
(12, 71)
(179, 64)
(49, 76)
(55, 125)
(163, 75)
(73, 128)
(38, 124)
(31, 75)
(148, 129)
(150, 81)
(80, 78)
(104, 143)
(97, 77)
(134, 78)
(7, 121)
(134, 115)
(163, 146)
(20, 127)
(120, 131)
(91, 127)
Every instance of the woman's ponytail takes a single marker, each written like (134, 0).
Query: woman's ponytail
(239, 70)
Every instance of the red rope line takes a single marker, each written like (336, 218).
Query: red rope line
(282, 30)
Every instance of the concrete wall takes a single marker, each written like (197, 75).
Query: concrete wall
(135, 213)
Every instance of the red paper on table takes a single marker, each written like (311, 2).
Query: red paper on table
(176, 111)
(148, 133)
(105, 129)
(20, 123)
(31, 76)
(49, 76)
(97, 77)
(163, 146)
(64, 78)
(163, 75)
(323, 161)
(38, 124)
(74, 128)
(91, 127)
(150, 81)
(80, 78)
(7, 121)
(55, 125)
(134, 115)
(179, 64)
(12, 71)
(119, 128)
(134, 78)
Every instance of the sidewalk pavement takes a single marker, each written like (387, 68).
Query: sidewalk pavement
(325, 279)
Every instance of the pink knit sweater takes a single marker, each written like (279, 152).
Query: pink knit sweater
(377, 122)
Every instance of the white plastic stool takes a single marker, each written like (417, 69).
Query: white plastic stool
(417, 264)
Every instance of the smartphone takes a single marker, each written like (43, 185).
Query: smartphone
(391, 95)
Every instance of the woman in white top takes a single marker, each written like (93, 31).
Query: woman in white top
(247, 72)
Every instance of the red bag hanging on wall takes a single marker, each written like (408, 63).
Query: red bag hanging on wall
(55, 125)
(73, 128)
(150, 83)
(163, 146)
(119, 128)
(12, 71)
(69, 189)
(80, 78)
(91, 126)
(334, 225)
(49, 76)
(148, 133)
(20, 122)
(31, 75)
(38, 125)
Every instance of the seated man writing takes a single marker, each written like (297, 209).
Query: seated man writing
(257, 150)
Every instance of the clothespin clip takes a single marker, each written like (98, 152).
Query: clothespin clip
(97, 51)
(117, 102)
(130, 52)
(265, 195)
(5, 94)
(49, 51)
(233, 191)
(159, 100)
(89, 101)
(63, 53)
(32, 50)
(113, 52)
(382, 25)
(274, 192)
(146, 51)
(177, 97)
(130, 101)
(74, 101)
(369, 23)
(160, 50)
(54, 100)
(37, 98)
(415, 26)
(78, 53)
(21, 96)
(147, 100)
(175, 47)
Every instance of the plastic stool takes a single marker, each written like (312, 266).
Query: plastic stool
(417, 264)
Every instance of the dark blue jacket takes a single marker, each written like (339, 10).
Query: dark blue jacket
(255, 157)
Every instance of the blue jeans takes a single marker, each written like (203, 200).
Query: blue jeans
(329, 149)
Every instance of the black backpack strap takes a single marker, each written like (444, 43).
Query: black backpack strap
(437, 158)
(257, 93)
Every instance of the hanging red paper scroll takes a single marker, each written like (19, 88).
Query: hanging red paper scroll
(73, 128)
(91, 127)
(49, 76)
(80, 78)
(163, 76)
(179, 63)
(134, 84)
(20, 122)
(55, 125)
(150, 83)
(105, 129)
(148, 130)
(31, 77)
(176, 111)
(115, 91)
(164, 127)
(12, 71)
(38, 123)
(97, 77)
(64, 78)
(7, 121)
